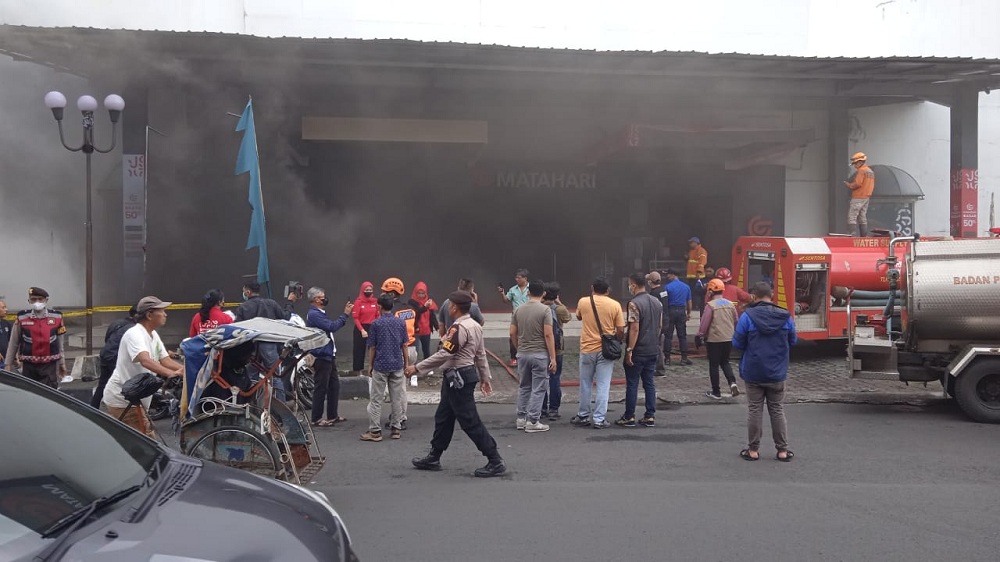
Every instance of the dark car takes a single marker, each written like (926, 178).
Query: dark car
(76, 484)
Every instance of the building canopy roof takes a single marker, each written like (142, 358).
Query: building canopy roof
(859, 81)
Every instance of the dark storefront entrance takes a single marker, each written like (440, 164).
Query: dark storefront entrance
(425, 213)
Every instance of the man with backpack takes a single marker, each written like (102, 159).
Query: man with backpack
(109, 354)
(560, 317)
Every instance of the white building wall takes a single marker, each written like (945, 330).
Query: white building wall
(914, 137)
(806, 180)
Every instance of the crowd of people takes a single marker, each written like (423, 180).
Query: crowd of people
(390, 332)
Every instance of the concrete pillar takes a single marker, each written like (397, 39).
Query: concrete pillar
(965, 164)
(839, 198)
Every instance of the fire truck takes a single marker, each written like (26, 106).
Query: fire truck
(813, 278)
(911, 309)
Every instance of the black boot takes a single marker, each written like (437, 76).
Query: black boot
(495, 467)
(863, 229)
(431, 462)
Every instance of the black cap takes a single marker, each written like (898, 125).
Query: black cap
(37, 292)
(460, 298)
(670, 271)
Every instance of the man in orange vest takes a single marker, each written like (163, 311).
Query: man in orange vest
(697, 258)
(861, 186)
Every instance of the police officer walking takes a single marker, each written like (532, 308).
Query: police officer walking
(36, 341)
(463, 356)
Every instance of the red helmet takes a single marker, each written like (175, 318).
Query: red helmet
(724, 274)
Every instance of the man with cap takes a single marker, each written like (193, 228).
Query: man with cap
(676, 315)
(697, 258)
(140, 351)
(37, 342)
(463, 356)
(861, 185)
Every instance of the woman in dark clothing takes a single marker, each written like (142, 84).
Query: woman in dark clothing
(5, 328)
(109, 354)
(365, 312)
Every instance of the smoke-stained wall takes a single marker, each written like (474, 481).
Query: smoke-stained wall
(43, 189)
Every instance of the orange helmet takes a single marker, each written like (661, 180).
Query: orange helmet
(724, 274)
(716, 286)
(393, 285)
(858, 157)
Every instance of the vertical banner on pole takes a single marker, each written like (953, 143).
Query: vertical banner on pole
(134, 214)
(965, 203)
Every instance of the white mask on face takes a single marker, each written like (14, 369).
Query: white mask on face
(38, 306)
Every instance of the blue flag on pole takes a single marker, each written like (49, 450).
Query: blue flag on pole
(249, 161)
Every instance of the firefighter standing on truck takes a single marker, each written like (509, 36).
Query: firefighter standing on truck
(36, 341)
(861, 188)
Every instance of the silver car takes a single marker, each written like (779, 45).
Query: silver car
(78, 485)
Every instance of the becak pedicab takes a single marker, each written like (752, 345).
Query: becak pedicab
(228, 412)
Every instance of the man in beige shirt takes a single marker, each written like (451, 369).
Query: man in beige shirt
(463, 359)
(594, 367)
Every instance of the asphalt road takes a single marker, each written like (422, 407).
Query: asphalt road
(868, 483)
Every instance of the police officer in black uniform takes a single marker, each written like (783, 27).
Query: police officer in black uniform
(463, 356)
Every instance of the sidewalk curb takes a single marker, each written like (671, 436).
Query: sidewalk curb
(686, 399)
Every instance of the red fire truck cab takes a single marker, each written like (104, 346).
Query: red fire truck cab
(814, 278)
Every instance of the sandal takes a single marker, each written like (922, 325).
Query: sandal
(787, 458)
(337, 420)
(745, 455)
(322, 423)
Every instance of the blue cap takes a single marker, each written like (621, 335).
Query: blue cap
(695, 239)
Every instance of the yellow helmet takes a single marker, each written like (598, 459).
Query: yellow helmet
(858, 157)
(393, 285)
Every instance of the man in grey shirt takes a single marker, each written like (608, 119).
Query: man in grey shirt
(531, 328)
(444, 319)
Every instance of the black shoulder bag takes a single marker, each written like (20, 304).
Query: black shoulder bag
(611, 348)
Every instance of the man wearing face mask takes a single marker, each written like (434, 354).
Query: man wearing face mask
(256, 306)
(327, 391)
(36, 341)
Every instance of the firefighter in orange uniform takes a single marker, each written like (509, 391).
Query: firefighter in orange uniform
(697, 258)
(861, 188)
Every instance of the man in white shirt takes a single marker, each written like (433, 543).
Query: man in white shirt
(141, 351)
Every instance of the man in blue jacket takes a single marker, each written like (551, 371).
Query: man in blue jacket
(765, 333)
(325, 366)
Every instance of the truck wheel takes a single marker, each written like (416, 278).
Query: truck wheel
(977, 391)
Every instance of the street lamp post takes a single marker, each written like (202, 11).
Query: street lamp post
(88, 105)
